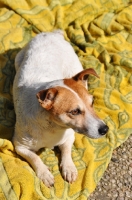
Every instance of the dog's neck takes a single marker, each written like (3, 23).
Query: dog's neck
(51, 133)
(48, 124)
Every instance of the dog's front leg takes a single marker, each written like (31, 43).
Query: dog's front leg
(39, 167)
(69, 171)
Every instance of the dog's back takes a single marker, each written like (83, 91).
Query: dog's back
(46, 58)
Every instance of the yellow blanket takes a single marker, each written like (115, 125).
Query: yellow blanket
(101, 34)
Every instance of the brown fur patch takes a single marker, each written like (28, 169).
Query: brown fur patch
(82, 92)
(64, 101)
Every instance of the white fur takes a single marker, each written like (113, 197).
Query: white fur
(43, 63)
(40, 64)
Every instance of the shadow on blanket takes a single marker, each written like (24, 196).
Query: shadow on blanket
(7, 113)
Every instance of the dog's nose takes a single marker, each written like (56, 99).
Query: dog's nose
(103, 129)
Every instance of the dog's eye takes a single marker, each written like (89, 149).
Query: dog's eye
(76, 112)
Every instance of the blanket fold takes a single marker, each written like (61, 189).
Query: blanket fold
(101, 35)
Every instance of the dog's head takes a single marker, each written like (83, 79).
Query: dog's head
(71, 106)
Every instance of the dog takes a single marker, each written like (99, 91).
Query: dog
(51, 101)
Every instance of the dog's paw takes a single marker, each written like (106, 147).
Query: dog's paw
(45, 175)
(69, 171)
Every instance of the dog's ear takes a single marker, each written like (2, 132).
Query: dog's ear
(46, 97)
(83, 75)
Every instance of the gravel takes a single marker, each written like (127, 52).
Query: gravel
(116, 183)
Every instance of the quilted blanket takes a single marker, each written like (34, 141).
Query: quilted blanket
(100, 32)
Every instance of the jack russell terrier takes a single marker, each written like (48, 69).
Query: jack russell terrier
(51, 102)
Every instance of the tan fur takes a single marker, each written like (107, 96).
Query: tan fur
(82, 92)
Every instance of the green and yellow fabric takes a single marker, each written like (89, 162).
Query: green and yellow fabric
(101, 34)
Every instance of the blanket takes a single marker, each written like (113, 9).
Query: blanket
(101, 34)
